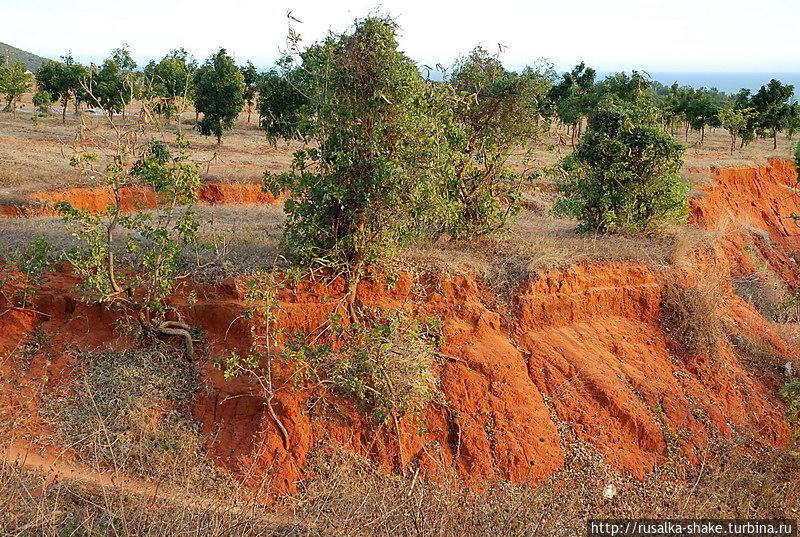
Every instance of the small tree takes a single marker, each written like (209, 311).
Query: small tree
(64, 80)
(218, 94)
(773, 112)
(364, 108)
(701, 112)
(574, 96)
(735, 121)
(42, 101)
(109, 89)
(152, 241)
(250, 77)
(494, 113)
(283, 107)
(14, 82)
(169, 83)
(625, 173)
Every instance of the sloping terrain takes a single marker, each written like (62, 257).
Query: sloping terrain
(14, 54)
(580, 358)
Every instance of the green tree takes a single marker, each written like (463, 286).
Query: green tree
(14, 82)
(64, 80)
(110, 89)
(574, 96)
(218, 94)
(169, 83)
(352, 192)
(122, 56)
(283, 107)
(736, 121)
(670, 107)
(250, 77)
(773, 111)
(633, 88)
(494, 113)
(42, 101)
(624, 174)
(701, 112)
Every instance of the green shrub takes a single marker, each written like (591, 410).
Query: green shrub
(351, 193)
(386, 361)
(790, 393)
(625, 173)
(22, 273)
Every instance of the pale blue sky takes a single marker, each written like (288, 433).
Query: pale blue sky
(610, 35)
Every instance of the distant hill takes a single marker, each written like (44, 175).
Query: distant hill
(13, 54)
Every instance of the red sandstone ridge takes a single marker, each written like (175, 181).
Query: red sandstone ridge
(581, 357)
(134, 198)
(753, 206)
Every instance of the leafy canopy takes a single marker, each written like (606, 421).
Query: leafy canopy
(14, 82)
(493, 112)
(363, 102)
(218, 94)
(63, 80)
(169, 82)
(624, 175)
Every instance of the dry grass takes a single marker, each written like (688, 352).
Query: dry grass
(35, 505)
(688, 315)
(128, 411)
(250, 234)
(766, 293)
(34, 154)
(348, 496)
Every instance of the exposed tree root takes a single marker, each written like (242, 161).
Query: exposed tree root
(177, 328)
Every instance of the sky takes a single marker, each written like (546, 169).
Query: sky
(610, 35)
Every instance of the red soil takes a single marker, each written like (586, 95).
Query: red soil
(133, 198)
(754, 206)
(580, 355)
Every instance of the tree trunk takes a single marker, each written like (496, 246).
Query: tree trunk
(774, 138)
(64, 103)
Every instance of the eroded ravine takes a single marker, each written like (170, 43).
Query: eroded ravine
(580, 349)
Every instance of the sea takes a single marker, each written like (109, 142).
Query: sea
(724, 81)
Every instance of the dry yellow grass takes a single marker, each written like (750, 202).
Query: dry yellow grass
(34, 156)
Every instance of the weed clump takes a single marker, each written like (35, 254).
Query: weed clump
(688, 315)
(790, 393)
(127, 411)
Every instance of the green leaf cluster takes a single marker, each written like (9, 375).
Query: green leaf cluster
(169, 83)
(624, 174)
(14, 81)
(218, 94)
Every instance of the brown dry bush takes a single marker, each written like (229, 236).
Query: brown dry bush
(688, 315)
(768, 295)
(128, 411)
